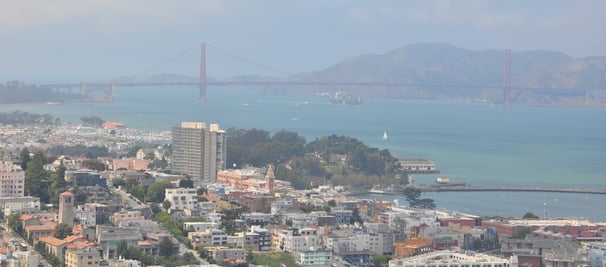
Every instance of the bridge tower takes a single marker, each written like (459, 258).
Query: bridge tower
(202, 97)
(112, 89)
(82, 89)
(507, 79)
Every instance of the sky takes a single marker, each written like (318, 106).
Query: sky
(100, 40)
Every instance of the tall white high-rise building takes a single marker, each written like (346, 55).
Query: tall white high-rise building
(12, 180)
(199, 151)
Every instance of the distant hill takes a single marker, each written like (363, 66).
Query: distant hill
(445, 64)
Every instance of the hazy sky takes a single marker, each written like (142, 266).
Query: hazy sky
(74, 40)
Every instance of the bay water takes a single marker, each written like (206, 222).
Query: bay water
(479, 144)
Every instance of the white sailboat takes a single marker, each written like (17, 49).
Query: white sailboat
(384, 135)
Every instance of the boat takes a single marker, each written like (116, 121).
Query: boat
(384, 135)
(345, 98)
(376, 190)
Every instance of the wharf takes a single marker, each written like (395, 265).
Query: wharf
(467, 188)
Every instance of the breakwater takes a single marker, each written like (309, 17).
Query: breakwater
(467, 188)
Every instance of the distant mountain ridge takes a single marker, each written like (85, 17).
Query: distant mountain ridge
(440, 63)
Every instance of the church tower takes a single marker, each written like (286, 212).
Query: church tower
(269, 178)
(66, 208)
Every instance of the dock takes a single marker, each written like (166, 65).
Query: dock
(434, 188)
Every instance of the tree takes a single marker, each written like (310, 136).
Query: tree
(36, 178)
(166, 204)
(412, 194)
(138, 192)
(413, 197)
(202, 252)
(92, 121)
(63, 230)
(25, 158)
(530, 215)
(380, 260)
(155, 192)
(14, 222)
(122, 249)
(94, 164)
(155, 208)
(186, 183)
(165, 247)
(522, 233)
(150, 156)
(118, 182)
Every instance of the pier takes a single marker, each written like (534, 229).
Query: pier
(446, 188)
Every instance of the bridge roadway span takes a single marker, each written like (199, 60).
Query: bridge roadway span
(295, 83)
(427, 188)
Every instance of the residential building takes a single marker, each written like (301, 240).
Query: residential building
(86, 257)
(200, 226)
(107, 237)
(257, 203)
(199, 151)
(85, 178)
(264, 237)
(19, 205)
(313, 258)
(103, 212)
(125, 216)
(412, 247)
(12, 180)
(343, 216)
(129, 164)
(257, 218)
(127, 263)
(596, 254)
(210, 237)
(181, 198)
(295, 240)
(221, 254)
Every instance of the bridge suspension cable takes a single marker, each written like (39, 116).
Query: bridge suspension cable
(163, 63)
(250, 62)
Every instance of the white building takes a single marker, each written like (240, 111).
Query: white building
(314, 258)
(86, 216)
(182, 198)
(19, 205)
(127, 263)
(453, 259)
(210, 237)
(12, 180)
(200, 226)
(293, 240)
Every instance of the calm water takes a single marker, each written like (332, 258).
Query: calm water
(472, 143)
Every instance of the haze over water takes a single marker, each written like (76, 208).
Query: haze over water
(478, 144)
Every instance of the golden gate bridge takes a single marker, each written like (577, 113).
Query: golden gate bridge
(107, 89)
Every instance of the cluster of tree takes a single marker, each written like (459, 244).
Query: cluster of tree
(230, 216)
(152, 193)
(305, 164)
(413, 196)
(39, 182)
(92, 121)
(273, 259)
(166, 257)
(91, 152)
(16, 92)
(18, 117)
